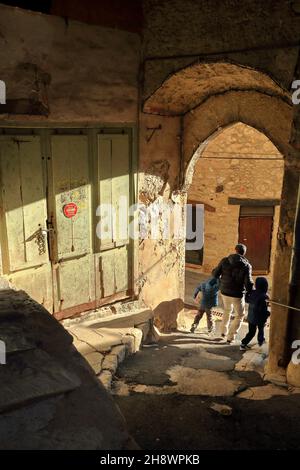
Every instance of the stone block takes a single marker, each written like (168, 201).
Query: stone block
(106, 379)
(82, 347)
(145, 329)
(101, 339)
(123, 319)
(133, 344)
(129, 343)
(120, 352)
(95, 360)
(110, 363)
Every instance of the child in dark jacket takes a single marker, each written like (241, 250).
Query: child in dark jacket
(258, 312)
(209, 299)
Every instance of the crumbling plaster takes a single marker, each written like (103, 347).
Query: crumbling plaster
(161, 261)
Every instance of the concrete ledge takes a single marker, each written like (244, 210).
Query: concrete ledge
(121, 320)
(105, 348)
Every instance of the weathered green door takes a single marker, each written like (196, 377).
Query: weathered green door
(64, 217)
(70, 212)
(25, 258)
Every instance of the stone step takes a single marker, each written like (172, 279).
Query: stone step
(88, 339)
(105, 340)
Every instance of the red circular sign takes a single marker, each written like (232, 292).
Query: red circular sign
(70, 210)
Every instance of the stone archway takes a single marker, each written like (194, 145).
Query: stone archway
(190, 87)
(207, 97)
(238, 170)
(257, 110)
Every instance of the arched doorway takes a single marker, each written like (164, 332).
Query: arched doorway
(208, 97)
(238, 182)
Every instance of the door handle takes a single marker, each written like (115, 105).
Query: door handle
(45, 231)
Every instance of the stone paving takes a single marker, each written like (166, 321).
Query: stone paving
(104, 342)
(205, 394)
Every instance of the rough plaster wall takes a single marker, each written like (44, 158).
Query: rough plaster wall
(160, 260)
(216, 179)
(89, 73)
(179, 33)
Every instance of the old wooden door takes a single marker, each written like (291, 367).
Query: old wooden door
(23, 214)
(89, 188)
(256, 233)
(70, 215)
(51, 186)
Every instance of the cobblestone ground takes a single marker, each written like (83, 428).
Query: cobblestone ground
(193, 392)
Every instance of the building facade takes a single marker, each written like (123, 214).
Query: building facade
(101, 105)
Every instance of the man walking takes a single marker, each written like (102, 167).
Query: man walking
(235, 273)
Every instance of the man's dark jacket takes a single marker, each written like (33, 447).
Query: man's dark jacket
(235, 273)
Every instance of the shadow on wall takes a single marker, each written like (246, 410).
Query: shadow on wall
(166, 313)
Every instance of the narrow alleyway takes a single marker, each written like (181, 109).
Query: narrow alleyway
(192, 392)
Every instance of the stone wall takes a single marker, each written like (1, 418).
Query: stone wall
(161, 260)
(182, 33)
(216, 179)
(67, 71)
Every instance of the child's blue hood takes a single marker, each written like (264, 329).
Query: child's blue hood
(260, 291)
(213, 281)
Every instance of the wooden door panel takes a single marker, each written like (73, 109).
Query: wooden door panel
(24, 201)
(70, 169)
(256, 234)
(25, 257)
(74, 284)
(73, 237)
(114, 191)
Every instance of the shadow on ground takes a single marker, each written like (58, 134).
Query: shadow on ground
(187, 422)
(166, 392)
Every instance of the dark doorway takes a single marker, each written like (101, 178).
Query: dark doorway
(195, 219)
(255, 231)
